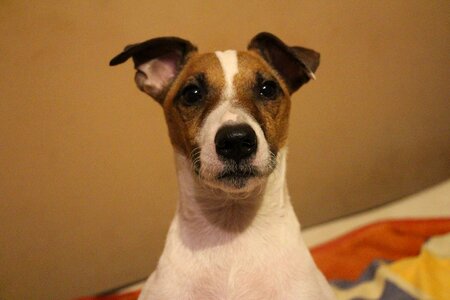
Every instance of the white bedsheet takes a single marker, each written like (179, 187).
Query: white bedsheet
(433, 202)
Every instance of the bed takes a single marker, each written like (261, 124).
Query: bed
(397, 251)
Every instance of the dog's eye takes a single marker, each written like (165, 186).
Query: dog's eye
(269, 89)
(192, 94)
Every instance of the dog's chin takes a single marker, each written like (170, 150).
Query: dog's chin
(235, 179)
(231, 177)
(234, 183)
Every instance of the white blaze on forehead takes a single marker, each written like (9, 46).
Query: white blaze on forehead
(229, 63)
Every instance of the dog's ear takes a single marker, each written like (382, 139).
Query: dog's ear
(157, 62)
(296, 65)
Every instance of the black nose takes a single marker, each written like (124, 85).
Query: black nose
(235, 142)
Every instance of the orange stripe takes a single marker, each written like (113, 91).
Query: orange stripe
(347, 256)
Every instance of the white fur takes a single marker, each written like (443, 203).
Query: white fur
(229, 63)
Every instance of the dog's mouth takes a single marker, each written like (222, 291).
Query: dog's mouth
(237, 177)
(230, 175)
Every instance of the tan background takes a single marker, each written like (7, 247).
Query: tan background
(86, 174)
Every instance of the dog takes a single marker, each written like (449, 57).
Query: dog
(235, 234)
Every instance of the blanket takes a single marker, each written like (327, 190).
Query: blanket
(397, 259)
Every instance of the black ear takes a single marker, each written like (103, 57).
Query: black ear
(295, 64)
(157, 62)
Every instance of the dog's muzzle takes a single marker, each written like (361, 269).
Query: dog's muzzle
(236, 145)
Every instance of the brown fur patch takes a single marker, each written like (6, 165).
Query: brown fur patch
(272, 115)
(183, 121)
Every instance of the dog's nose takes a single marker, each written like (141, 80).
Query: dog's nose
(235, 142)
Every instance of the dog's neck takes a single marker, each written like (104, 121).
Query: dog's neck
(213, 216)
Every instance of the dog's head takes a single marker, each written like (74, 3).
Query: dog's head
(227, 112)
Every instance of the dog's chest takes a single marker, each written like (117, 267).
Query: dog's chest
(247, 268)
(249, 283)
(235, 277)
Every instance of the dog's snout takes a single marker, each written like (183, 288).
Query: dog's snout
(235, 142)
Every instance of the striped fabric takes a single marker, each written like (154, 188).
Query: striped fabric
(426, 276)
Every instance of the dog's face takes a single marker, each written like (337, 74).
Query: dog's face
(227, 112)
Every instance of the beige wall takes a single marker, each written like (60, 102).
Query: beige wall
(86, 174)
